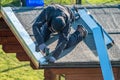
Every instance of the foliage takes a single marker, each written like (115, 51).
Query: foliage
(91, 2)
(10, 2)
(12, 69)
(65, 2)
(60, 1)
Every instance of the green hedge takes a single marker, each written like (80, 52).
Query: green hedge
(65, 2)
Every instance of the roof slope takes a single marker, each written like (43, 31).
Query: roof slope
(84, 54)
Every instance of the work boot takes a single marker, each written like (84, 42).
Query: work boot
(75, 8)
(75, 12)
(51, 59)
(82, 30)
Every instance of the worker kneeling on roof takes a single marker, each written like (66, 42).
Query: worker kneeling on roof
(56, 18)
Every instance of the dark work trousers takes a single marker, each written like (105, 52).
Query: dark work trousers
(74, 39)
(43, 34)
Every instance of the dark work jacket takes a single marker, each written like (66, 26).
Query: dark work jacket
(47, 15)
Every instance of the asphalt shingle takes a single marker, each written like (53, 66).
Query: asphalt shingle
(85, 52)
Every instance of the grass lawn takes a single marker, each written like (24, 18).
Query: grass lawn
(10, 2)
(17, 2)
(12, 69)
(101, 2)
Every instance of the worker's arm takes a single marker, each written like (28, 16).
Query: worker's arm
(41, 19)
(62, 42)
(45, 16)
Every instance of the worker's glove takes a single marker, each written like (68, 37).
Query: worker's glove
(43, 49)
(51, 59)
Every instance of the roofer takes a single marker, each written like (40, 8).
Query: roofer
(56, 18)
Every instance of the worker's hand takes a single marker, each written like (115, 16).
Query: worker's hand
(51, 59)
(42, 46)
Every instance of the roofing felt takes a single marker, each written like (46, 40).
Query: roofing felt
(84, 54)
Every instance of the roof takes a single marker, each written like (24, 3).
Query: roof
(84, 54)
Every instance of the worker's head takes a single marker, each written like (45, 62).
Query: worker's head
(57, 24)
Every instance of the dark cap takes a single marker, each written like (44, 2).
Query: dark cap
(58, 23)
